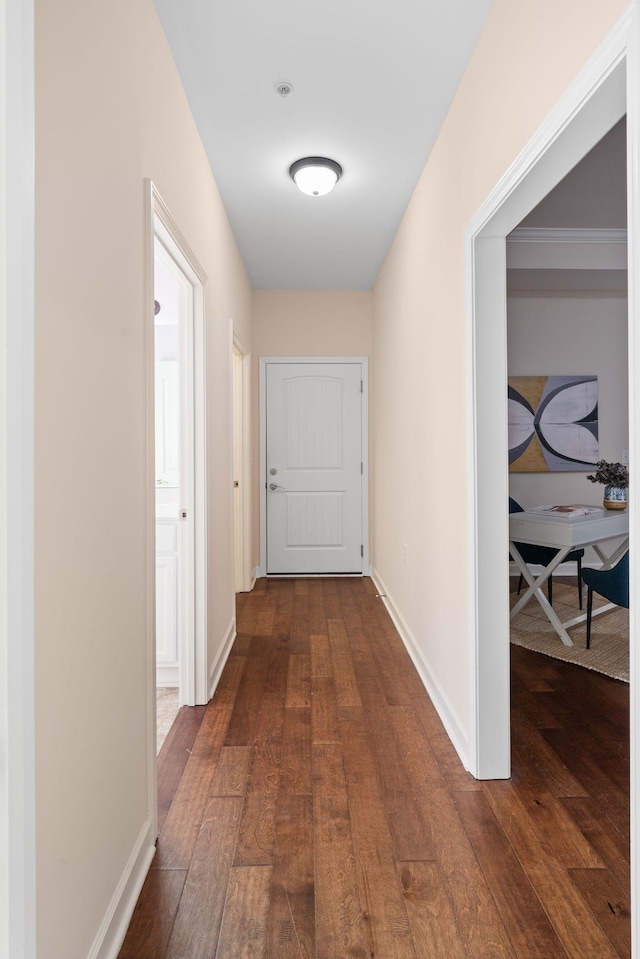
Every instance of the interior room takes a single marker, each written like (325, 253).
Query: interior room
(575, 315)
(342, 776)
(567, 314)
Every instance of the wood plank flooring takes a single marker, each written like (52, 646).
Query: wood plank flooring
(317, 810)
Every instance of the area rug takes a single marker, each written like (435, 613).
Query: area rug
(609, 653)
(167, 706)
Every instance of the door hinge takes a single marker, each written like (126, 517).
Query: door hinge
(362, 386)
(362, 551)
(361, 469)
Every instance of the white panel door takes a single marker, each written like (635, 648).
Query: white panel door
(314, 467)
(167, 431)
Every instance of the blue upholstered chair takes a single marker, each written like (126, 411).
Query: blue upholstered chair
(612, 583)
(542, 556)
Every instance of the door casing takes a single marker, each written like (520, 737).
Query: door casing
(17, 471)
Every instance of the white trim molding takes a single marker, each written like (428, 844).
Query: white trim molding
(532, 234)
(633, 226)
(115, 923)
(223, 654)
(554, 249)
(17, 332)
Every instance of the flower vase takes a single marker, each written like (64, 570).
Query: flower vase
(615, 497)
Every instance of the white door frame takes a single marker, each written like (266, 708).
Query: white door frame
(193, 654)
(600, 95)
(264, 361)
(17, 277)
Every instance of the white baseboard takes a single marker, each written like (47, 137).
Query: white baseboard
(450, 720)
(252, 581)
(167, 675)
(113, 928)
(223, 653)
(260, 574)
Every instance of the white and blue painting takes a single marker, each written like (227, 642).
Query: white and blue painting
(553, 423)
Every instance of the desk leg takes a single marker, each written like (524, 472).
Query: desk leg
(609, 561)
(535, 589)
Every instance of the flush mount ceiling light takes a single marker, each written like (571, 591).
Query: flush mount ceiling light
(315, 176)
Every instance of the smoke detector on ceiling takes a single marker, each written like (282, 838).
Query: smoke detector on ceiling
(284, 89)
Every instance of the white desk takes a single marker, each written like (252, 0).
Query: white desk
(565, 535)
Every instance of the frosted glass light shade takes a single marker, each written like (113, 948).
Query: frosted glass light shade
(315, 176)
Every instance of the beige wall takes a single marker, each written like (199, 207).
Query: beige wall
(110, 111)
(528, 54)
(312, 323)
(305, 323)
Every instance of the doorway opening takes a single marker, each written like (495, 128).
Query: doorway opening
(596, 101)
(567, 333)
(244, 575)
(586, 114)
(177, 357)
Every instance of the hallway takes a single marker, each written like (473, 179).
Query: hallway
(316, 807)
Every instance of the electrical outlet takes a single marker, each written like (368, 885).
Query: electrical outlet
(624, 459)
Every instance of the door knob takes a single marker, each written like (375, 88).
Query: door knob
(275, 486)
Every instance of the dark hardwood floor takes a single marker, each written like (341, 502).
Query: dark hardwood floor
(316, 807)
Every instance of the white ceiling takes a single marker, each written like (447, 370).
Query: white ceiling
(372, 79)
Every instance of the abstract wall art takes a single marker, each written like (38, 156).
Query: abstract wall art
(553, 423)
